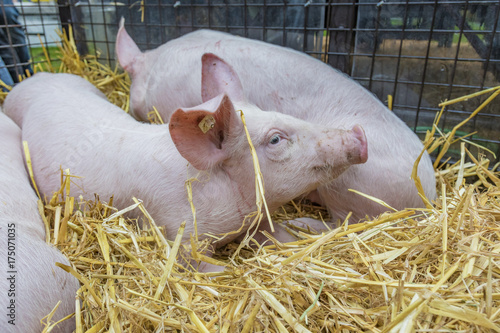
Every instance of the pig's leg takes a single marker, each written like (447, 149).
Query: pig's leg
(206, 267)
(340, 201)
(312, 224)
(186, 260)
(314, 196)
(386, 176)
(281, 233)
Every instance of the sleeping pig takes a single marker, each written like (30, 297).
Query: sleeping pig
(293, 83)
(30, 283)
(68, 122)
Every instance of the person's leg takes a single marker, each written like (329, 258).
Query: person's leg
(9, 17)
(5, 75)
(8, 55)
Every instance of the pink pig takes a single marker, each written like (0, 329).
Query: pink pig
(283, 80)
(68, 122)
(30, 283)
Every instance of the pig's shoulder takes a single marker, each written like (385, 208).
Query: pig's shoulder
(65, 81)
(208, 34)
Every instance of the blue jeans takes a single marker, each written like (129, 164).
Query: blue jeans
(5, 75)
(14, 50)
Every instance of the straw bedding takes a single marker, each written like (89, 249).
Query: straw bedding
(434, 269)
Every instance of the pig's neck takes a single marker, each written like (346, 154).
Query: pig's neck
(221, 204)
(241, 188)
(151, 166)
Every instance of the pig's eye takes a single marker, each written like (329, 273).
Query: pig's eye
(275, 139)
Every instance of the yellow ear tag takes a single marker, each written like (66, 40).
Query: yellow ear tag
(206, 124)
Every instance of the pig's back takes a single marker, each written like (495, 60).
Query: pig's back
(17, 198)
(274, 78)
(43, 91)
(46, 93)
(64, 119)
(284, 80)
(58, 107)
(39, 284)
(69, 124)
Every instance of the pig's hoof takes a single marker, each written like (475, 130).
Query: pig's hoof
(206, 267)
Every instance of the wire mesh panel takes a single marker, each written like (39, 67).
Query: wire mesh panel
(423, 52)
(420, 52)
(291, 24)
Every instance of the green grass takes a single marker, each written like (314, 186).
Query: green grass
(38, 56)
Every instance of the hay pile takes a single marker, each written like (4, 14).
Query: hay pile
(435, 269)
(114, 83)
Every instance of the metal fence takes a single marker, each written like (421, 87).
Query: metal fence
(420, 52)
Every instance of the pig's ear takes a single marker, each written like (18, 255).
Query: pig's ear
(126, 49)
(218, 77)
(201, 133)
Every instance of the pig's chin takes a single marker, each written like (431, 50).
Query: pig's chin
(327, 173)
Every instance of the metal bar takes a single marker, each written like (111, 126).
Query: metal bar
(15, 59)
(285, 7)
(91, 18)
(306, 14)
(264, 21)
(490, 48)
(425, 64)
(366, 4)
(341, 40)
(399, 53)
(108, 50)
(460, 24)
(160, 15)
(431, 84)
(28, 43)
(226, 16)
(245, 18)
(146, 25)
(474, 40)
(209, 6)
(192, 14)
(372, 66)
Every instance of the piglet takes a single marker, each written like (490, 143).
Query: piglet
(30, 283)
(68, 122)
(286, 81)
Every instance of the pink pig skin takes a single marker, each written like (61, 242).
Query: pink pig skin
(283, 80)
(38, 284)
(69, 123)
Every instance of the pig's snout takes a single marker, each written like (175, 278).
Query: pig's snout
(342, 148)
(358, 153)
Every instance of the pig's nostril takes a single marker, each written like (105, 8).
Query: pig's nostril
(359, 133)
(363, 152)
(362, 155)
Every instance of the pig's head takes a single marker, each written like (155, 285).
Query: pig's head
(126, 49)
(133, 61)
(295, 156)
